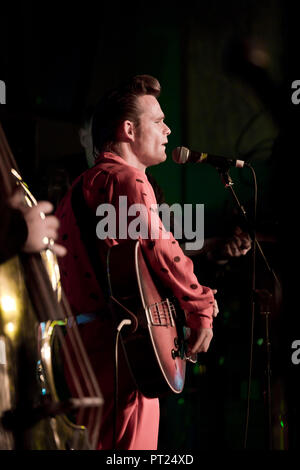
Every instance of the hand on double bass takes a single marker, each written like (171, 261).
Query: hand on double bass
(42, 227)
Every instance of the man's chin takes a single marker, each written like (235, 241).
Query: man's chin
(164, 157)
(158, 159)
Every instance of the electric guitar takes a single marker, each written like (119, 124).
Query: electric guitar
(154, 343)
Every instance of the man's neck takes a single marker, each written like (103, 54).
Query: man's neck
(124, 151)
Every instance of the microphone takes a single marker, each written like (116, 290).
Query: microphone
(184, 155)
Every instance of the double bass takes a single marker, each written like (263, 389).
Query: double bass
(37, 411)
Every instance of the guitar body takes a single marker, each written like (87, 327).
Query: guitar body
(154, 342)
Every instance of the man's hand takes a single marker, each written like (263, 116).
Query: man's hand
(216, 308)
(220, 250)
(199, 340)
(238, 245)
(42, 228)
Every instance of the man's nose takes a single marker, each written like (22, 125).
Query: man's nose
(167, 130)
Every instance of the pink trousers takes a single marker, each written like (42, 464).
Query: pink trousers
(137, 417)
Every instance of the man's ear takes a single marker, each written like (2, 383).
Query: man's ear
(83, 137)
(126, 131)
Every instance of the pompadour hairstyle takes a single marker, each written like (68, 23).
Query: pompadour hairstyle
(117, 106)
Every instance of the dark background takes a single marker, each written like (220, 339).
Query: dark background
(56, 59)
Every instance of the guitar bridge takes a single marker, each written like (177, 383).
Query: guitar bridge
(161, 313)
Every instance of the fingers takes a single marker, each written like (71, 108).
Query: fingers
(231, 249)
(52, 222)
(205, 343)
(38, 211)
(199, 340)
(243, 237)
(44, 206)
(234, 247)
(216, 309)
(202, 344)
(42, 229)
(50, 233)
(238, 245)
(59, 250)
(17, 200)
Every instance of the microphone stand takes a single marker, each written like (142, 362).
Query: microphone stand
(262, 296)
